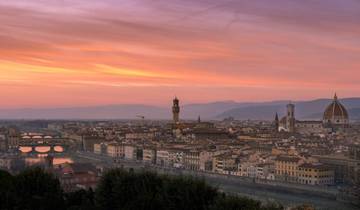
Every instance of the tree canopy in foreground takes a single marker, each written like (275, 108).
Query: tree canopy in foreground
(35, 189)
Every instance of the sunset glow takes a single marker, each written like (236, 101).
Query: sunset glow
(73, 53)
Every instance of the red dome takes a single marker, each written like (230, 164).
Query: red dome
(336, 113)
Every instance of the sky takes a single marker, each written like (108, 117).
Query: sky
(65, 53)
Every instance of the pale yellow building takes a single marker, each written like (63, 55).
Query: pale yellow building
(286, 168)
(315, 174)
(225, 163)
(116, 150)
(149, 155)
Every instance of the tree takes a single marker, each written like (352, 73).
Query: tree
(119, 189)
(80, 200)
(37, 190)
(7, 193)
(224, 202)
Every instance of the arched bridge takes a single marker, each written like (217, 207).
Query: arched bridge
(33, 143)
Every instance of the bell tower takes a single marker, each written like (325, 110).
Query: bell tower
(176, 110)
(290, 117)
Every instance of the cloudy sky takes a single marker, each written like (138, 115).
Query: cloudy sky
(60, 53)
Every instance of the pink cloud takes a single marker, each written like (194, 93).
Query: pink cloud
(203, 50)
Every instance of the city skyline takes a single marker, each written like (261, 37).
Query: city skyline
(180, 104)
(64, 54)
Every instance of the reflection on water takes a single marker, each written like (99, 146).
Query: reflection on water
(41, 159)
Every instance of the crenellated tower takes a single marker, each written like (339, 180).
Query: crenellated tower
(176, 110)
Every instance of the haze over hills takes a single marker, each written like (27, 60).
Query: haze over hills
(217, 110)
(308, 110)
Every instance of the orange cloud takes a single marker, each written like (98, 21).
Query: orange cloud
(65, 53)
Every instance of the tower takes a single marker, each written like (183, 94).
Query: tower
(290, 117)
(277, 122)
(176, 110)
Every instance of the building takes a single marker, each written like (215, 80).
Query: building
(336, 115)
(287, 123)
(116, 150)
(347, 170)
(206, 159)
(149, 155)
(130, 152)
(315, 174)
(89, 140)
(309, 127)
(100, 148)
(12, 163)
(13, 138)
(225, 163)
(265, 171)
(176, 158)
(286, 168)
(162, 157)
(176, 111)
(276, 122)
(140, 135)
(290, 118)
(75, 176)
(354, 152)
(335, 118)
(192, 160)
(3, 143)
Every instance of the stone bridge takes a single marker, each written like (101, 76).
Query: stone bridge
(33, 143)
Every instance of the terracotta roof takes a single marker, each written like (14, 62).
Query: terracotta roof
(314, 166)
(287, 158)
(335, 110)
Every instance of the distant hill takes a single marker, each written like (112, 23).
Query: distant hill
(98, 112)
(209, 110)
(215, 110)
(304, 110)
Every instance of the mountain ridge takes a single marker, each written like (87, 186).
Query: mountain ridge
(311, 109)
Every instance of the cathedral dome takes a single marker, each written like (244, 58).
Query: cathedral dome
(336, 113)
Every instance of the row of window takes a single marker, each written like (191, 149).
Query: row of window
(310, 176)
(326, 181)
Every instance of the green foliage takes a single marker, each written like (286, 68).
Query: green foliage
(120, 189)
(224, 202)
(80, 200)
(7, 194)
(36, 189)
